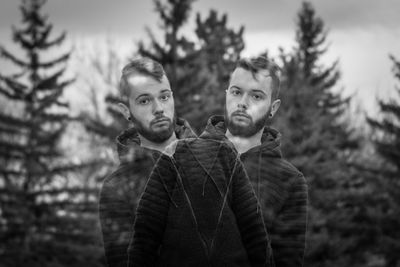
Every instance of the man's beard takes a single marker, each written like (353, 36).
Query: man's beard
(155, 136)
(245, 131)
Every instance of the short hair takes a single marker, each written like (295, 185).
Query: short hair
(141, 66)
(257, 64)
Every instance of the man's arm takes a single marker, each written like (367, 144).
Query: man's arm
(289, 228)
(151, 215)
(249, 218)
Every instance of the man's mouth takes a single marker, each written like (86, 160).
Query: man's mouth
(240, 114)
(160, 120)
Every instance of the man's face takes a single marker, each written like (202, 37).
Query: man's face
(248, 102)
(152, 107)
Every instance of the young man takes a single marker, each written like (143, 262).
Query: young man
(151, 111)
(251, 101)
(199, 209)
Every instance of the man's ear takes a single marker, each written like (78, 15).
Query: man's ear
(275, 106)
(124, 110)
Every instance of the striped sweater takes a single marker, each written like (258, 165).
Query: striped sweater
(122, 189)
(281, 189)
(199, 209)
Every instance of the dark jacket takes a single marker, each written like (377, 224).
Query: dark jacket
(281, 190)
(199, 209)
(121, 191)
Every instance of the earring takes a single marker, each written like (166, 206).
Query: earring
(129, 118)
(270, 115)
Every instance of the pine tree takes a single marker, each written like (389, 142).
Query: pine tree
(41, 206)
(387, 178)
(317, 139)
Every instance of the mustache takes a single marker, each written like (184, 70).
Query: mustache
(240, 113)
(160, 118)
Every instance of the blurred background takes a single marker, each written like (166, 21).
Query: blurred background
(60, 65)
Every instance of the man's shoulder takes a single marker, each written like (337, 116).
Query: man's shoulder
(294, 174)
(126, 174)
(284, 169)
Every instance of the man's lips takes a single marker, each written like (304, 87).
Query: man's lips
(240, 114)
(160, 120)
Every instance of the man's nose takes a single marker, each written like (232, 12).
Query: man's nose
(243, 102)
(158, 107)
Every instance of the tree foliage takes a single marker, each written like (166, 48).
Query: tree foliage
(386, 176)
(42, 209)
(318, 140)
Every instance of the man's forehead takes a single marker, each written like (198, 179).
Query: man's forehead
(142, 84)
(243, 75)
(140, 80)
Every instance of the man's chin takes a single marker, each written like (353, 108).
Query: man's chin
(241, 129)
(240, 122)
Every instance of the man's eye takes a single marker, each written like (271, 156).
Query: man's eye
(165, 97)
(235, 92)
(257, 97)
(144, 101)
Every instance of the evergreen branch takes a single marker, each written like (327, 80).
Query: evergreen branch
(49, 117)
(25, 43)
(54, 62)
(7, 155)
(50, 82)
(391, 108)
(13, 83)
(62, 104)
(4, 53)
(9, 129)
(48, 100)
(54, 42)
(10, 95)
(98, 127)
(44, 34)
(15, 122)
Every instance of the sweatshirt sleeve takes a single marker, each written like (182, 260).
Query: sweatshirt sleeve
(151, 215)
(116, 218)
(249, 218)
(289, 228)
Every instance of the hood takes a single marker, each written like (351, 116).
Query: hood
(270, 140)
(128, 142)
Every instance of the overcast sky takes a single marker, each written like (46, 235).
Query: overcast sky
(362, 33)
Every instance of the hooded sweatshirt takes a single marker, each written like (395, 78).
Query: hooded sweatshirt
(199, 209)
(122, 189)
(281, 189)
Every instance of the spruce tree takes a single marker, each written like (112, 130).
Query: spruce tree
(386, 178)
(41, 206)
(316, 137)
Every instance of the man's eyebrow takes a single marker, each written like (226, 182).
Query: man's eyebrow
(234, 86)
(258, 91)
(166, 90)
(141, 95)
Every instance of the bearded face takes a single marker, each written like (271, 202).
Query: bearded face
(248, 102)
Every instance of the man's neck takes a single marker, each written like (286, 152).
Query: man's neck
(243, 144)
(158, 146)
